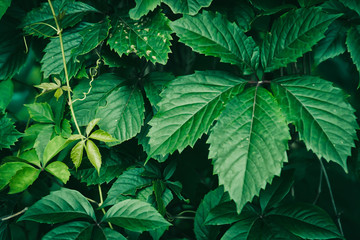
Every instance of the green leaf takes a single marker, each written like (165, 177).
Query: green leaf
(76, 154)
(59, 170)
(225, 213)
(6, 93)
(155, 84)
(211, 199)
(31, 157)
(113, 235)
(305, 220)
(352, 4)
(242, 13)
(332, 45)
(149, 38)
(40, 112)
(73, 12)
(352, 42)
(249, 228)
(190, 7)
(292, 35)
(71, 231)
(56, 145)
(189, 106)
(8, 134)
(91, 125)
(8, 171)
(43, 138)
(23, 179)
(60, 206)
(143, 7)
(93, 153)
(120, 106)
(4, 4)
(135, 215)
(218, 38)
(243, 147)
(308, 3)
(324, 119)
(103, 136)
(159, 188)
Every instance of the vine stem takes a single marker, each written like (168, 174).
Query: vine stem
(332, 197)
(101, 202)
(59, 33)
(14, 215)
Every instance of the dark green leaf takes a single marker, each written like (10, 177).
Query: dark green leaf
(155, 84)
(8, 134)
(40, 112)
(352, 4)
(352, 42)
(6, 93)
(59, 170)
(143, 7)
(113, 235)
(190, 7)
(4, 4)
(225, 213)
(70, 231)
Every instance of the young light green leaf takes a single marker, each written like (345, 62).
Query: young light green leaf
(56, 145)
(93, 153)
(143, 7)
(40, 112)
(243, 147)
(8, 171)
(149, 38)
(6, 93)
(91, 125)
(103, 136)
(75, 137)
(8, 134)
(76, 153)
(189, 106)
(135, 215)
(292, 35)
(60, 206)
(23, 179)
(190, 7)
(31, 157)
(352, 42)
(4, 4)
(59, 170)
(324, 119)
(43, 138)
(305, 220)
(218, 38)
(71, 231)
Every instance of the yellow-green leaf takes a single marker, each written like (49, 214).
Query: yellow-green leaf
(93, 154)
(103, 136)
(23, 179)
(77, 153)
(59, 170)
(91, 125)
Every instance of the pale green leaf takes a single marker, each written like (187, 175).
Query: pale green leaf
(43, 138)
(249, 148)
(75, 137)
(322, 116)
(333, 44)
(58, 93)
(213, 35)
(71, 231)
(143, 7)
(31, 157)
(40, 112)
(120, 106)
(6, 93)
(135, 215)
(60, 206)
(189, 106)
(56, 145)
(103, 136)
(190, 7)
(352, 4)
(292, 35)
(31, 134)
(4, 4)
(93, 153)
(352, 42)
(59, 170)
(305, 220)
(76, 153)
(23, 179)
(91, 125)
(8, 171)
(149, 37)
(8, 134)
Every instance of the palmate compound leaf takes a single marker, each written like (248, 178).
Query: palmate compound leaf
(119, 105)
(248, 144)
(213, 35)
(60, 206)
(189, 106)
(135, 215)
(292, 35)
(190, 7)
(322, 116)
(149, 37)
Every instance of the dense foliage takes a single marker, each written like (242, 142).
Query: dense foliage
(179, 119)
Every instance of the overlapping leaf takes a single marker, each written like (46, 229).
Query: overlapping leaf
(8, 134)
(149, 37)
(352, 42)
(213, 35)
(143, 7)
(190, 7)
(70, 231)
(189, 106)
(292, 35)
(248, 144)
(40, 112)
(23, 179)
(324, 119)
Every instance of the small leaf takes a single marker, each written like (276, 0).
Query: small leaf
(40, 112)
(59, 170)
(60, 206)
(93, 154)
(47, 87)
(75, 137)
(102, 136)
(58, 93)
(143, 7)
(135, 215)
(190, 7)
(31, 157)
(76, 154)
(91, 125)
(70, 231)
(23, 179)
(8, 134)
(56, 145)
(6, 93)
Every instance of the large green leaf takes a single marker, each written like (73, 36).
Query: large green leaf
(305, 220)
(72, 12)
(40, 112)
(8, 134)
(120, 106)
(149, 38)
(213, 35)
(6, 93)
(352, 42)
(249, 148)
(8, 171)
(23, 179)
(71, 231)
(135, 215)
(4, 4)
(190, 7)
(143, 7)
(324, 119)
(292, 35)
(189, 106)
(60, 206)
